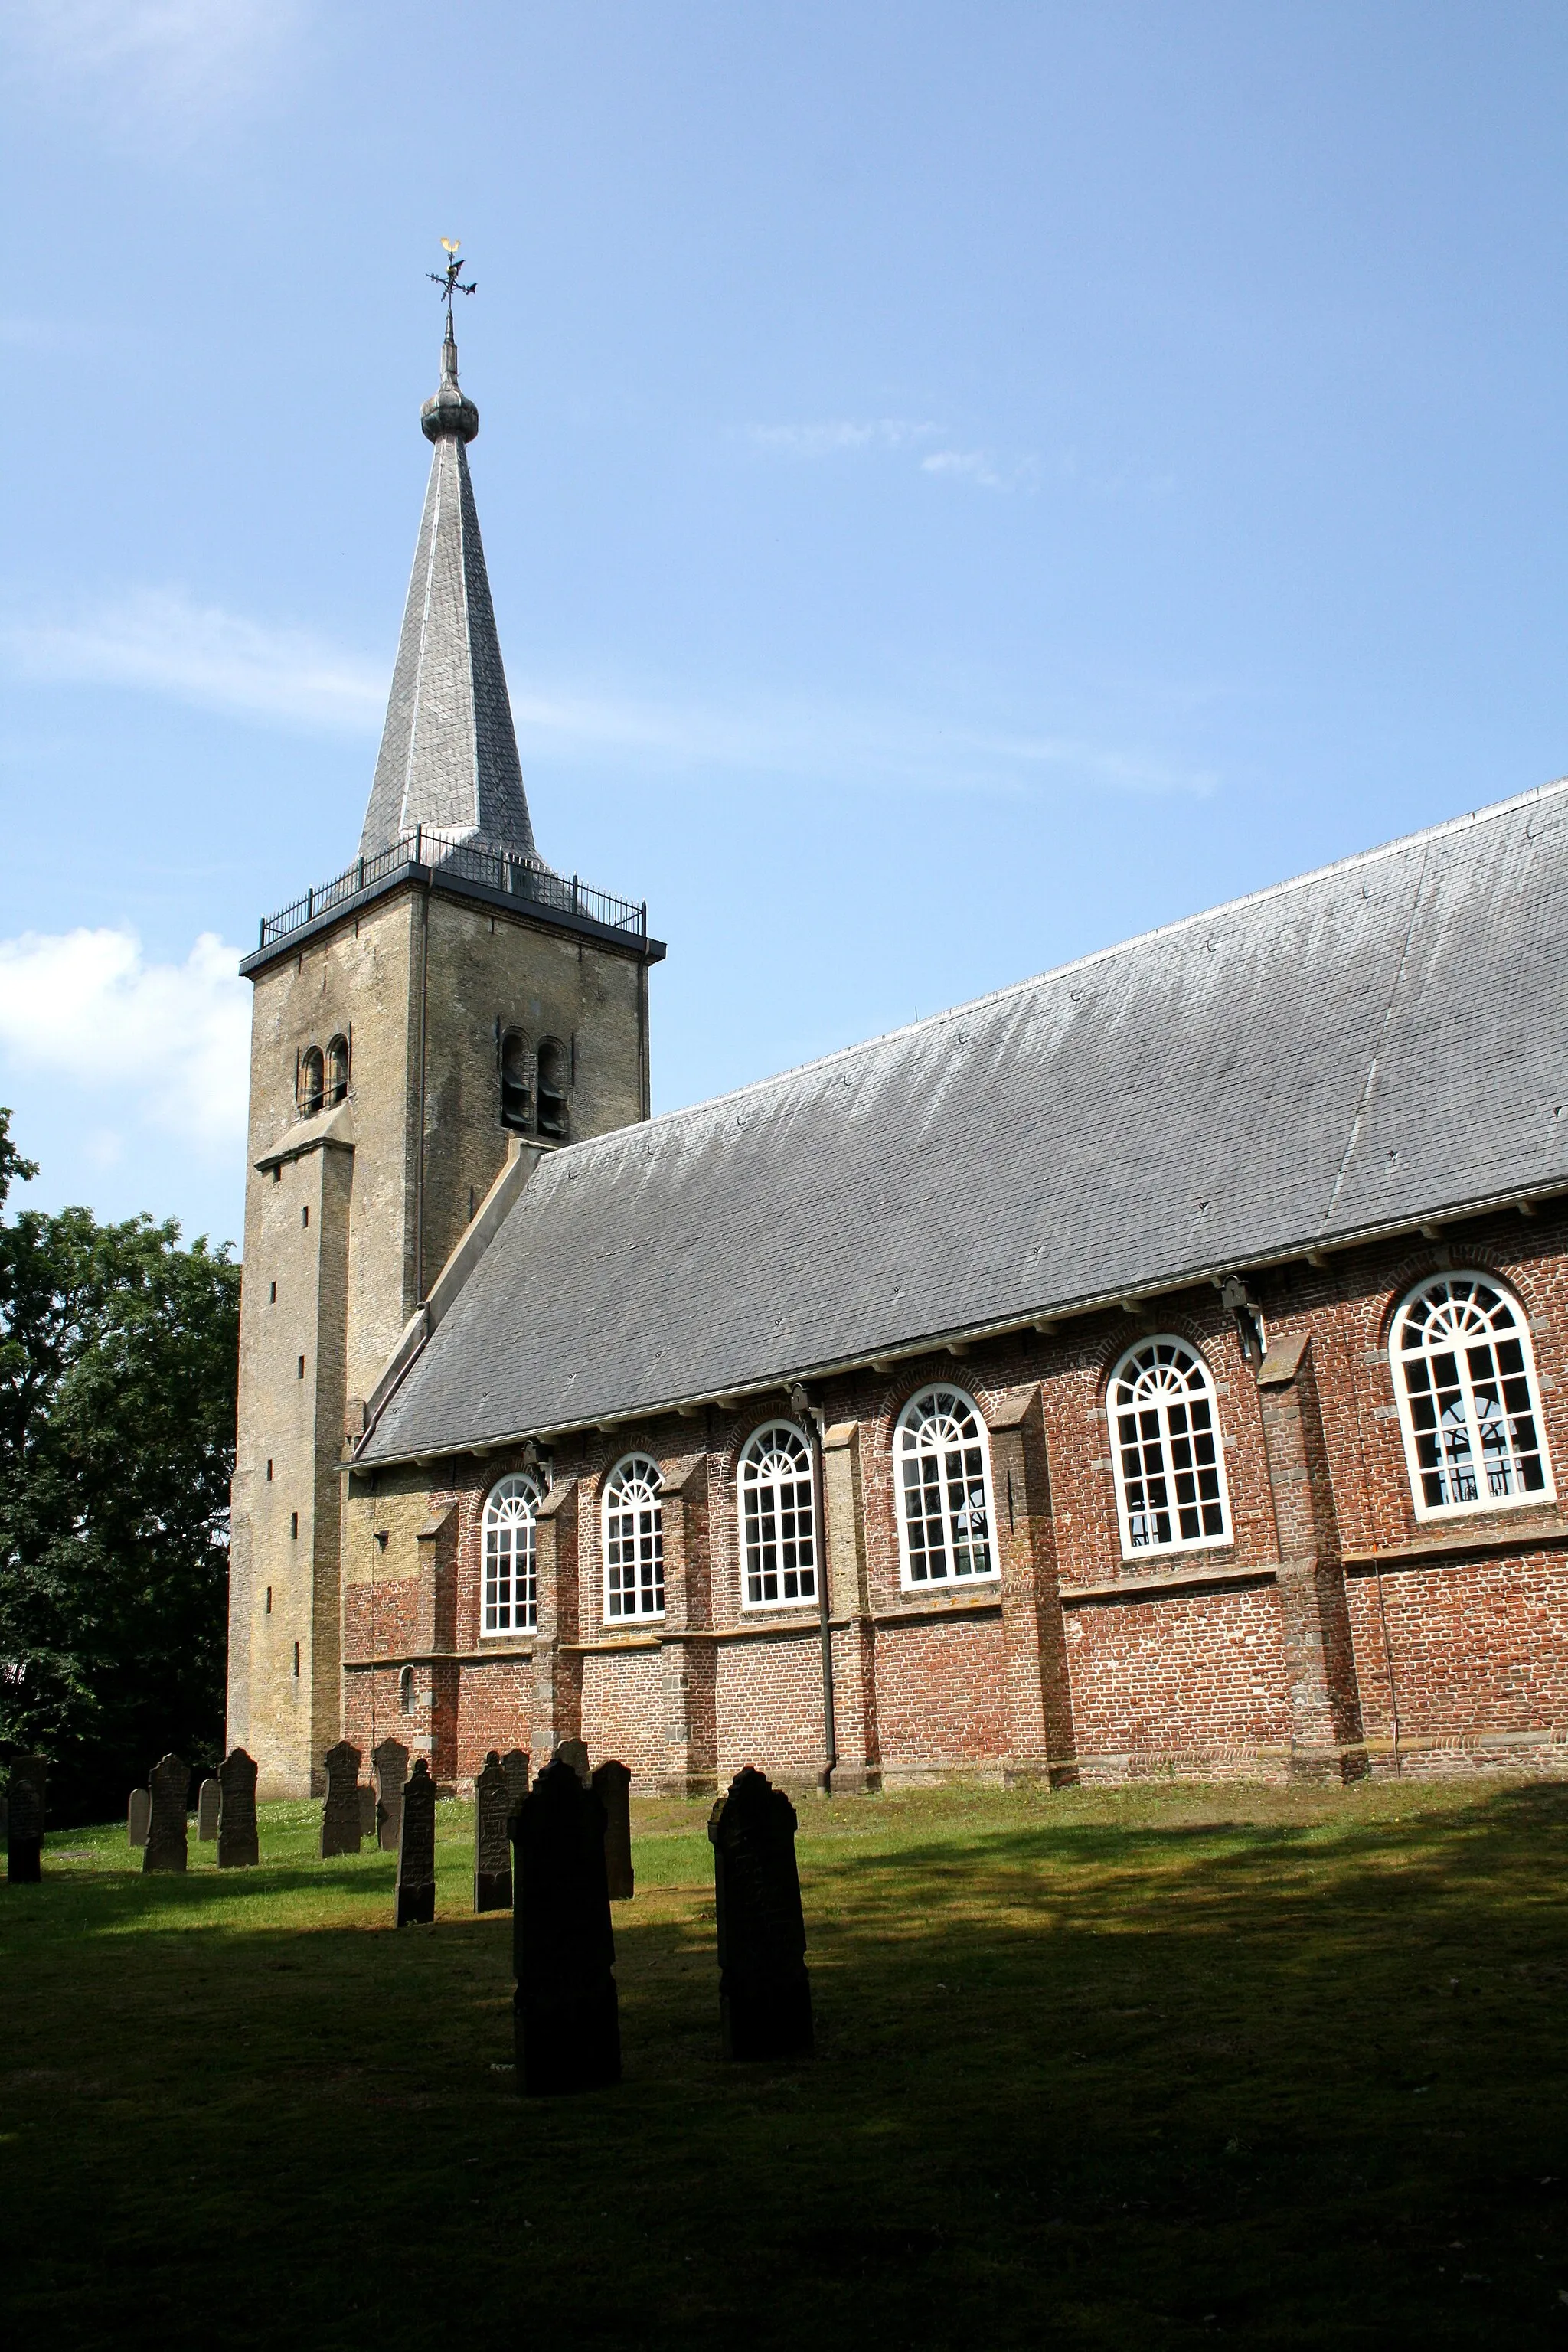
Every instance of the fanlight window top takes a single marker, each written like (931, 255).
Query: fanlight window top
(634, 1539)
(1169, 1462)
(509, 1595)
(778, 1518)
(1468, 1397)
(943, 1459)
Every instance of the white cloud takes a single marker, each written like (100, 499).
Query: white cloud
(159, 642)
(179, 58)
(983, 469)
(838, 435)
(157, 1045)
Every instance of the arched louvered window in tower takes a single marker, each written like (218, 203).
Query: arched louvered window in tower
(509, 1596)
(778, 1522)
(1165, 1439)
(1469, 1398)
(516, 1083)
(634, 1539)
(311, 1081)
(337, 1070)
(943, 1469)
(552, 1080)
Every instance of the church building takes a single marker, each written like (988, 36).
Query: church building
(1157, 1368)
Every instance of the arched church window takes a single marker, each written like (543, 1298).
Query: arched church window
(405, 1690)
(311, 1082)
(944, 1472)
(1170, 1465)
(634, 1539)
(510, 1594)
(553, 1088)
(337, 1070)
(1469, 1398)
(778, 1521)
(516, 1083)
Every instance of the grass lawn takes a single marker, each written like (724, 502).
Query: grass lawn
(1103, 2068)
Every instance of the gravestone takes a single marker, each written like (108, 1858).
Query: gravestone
(416, 1849)
(169, 1786)
(563, 1953)
(238, 1845)
(366, 1810)
(574, 1752)
(138, 1813)
(25, 1806)
(209, 1799)
(340, 1830)
(389, 1762)
(492, 1854)
(514, 1764)
(764, 1993)
(613, 1783)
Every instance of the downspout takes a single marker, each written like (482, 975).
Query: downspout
(814, 1419)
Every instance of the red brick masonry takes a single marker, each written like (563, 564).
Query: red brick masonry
(1335, 1634)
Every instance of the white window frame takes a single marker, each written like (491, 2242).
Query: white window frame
(1461, 1284)
(946, 1398)
(756, 1447)
(634, 1487)
(497, 1517)
(1170, 1444)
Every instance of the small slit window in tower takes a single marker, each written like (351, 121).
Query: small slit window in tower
(296, 1660)
(337, 1070)
(553, 1088)
(405, 1690)
(302, 1368)
(516, 1085)
(269, 1600)
(311, 1081)
(294, 1526)
(305, 1214)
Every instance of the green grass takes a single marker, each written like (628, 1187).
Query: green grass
(1118, 2068)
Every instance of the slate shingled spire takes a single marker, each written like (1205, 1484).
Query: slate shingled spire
(448, 751)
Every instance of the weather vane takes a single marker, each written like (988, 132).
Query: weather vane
(447, 280)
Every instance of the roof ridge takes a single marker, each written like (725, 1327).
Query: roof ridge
(1360, 858)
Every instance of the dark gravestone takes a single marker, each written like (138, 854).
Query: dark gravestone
(366, 1810)
(169, 1786)
(341, 1826)
(575, 1753)
(25, 1820)
(613, 1783)
(238, 1845)
(492, 1854)
(416, 1849)
(514, 1764)
(138, 1813)
(764, 1993)
(209, 1798)
(389, 1762)
(563, 1953)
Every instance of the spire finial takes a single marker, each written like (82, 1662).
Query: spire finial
(450, 411)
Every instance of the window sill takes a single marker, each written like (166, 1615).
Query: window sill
(985, 1601)
(1488, 1532)
(1175, 1579)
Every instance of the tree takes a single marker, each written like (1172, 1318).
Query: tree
(118, 1363)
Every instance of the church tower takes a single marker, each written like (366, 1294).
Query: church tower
(446, 1004)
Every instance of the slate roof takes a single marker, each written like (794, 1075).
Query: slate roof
(449, 749)
(1374, 1043)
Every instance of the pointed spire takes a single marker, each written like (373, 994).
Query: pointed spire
(449, 749)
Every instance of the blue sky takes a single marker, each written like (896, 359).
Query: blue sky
(960, 486)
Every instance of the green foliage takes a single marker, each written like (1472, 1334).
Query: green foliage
(118, 1355)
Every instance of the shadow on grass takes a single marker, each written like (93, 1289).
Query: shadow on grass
(1081, 2082)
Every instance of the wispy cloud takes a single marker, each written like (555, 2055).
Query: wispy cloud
(158, 642)
(157, 1045)
(843, 437)
(984, 470)
(180, 61)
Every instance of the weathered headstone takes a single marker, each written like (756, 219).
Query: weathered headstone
(563, 1953)
(340, 1827)
(613, 1782)
(138, 1813)
(238, 1845)
(492, 1854)
(416, 1849)
(765, 1992)
(574, 1752)
(389, 1762)
(26, 1799)
(514, 1764)
(169, 1786)
(366, 1810)
(209, 1800)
